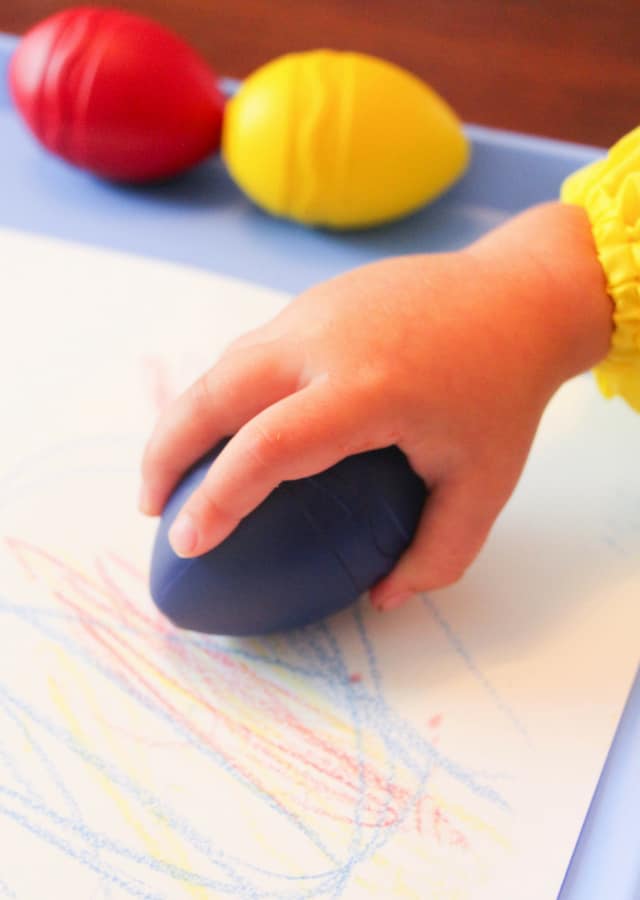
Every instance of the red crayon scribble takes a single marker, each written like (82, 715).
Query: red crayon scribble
(284, 742)
(438, 825)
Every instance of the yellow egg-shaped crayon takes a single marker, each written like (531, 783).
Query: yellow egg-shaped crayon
(343, 140)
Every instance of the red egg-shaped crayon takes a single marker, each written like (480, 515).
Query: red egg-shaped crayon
(117, 94)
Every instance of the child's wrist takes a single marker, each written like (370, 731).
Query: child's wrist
(579, 286)
(550, 249)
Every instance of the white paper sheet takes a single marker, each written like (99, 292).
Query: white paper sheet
(449, 750)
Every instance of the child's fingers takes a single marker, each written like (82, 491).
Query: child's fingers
(457, 519)
(301, 435)
(217, 405)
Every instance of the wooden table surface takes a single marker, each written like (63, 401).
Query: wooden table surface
(564, 68)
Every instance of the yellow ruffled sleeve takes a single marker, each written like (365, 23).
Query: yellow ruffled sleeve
(609, 190)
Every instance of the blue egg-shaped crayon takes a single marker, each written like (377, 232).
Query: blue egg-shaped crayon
(309, 550)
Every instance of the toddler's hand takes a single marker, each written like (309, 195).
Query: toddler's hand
(451, 357)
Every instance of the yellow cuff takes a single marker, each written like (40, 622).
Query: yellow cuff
(609, 190)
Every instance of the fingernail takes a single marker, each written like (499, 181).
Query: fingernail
(393, 601)
(183, 536)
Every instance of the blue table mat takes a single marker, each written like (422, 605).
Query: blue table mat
(202, 219)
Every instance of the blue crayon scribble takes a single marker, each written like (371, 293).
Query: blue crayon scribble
(376, 799)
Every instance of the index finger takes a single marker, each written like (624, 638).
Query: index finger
(301, 435)
(217, 405)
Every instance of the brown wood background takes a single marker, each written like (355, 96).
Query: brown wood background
(564, 68)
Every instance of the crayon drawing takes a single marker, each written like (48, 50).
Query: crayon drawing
(432, 753)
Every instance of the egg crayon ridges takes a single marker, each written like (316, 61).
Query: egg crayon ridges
(117, 94)
(340, 139)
